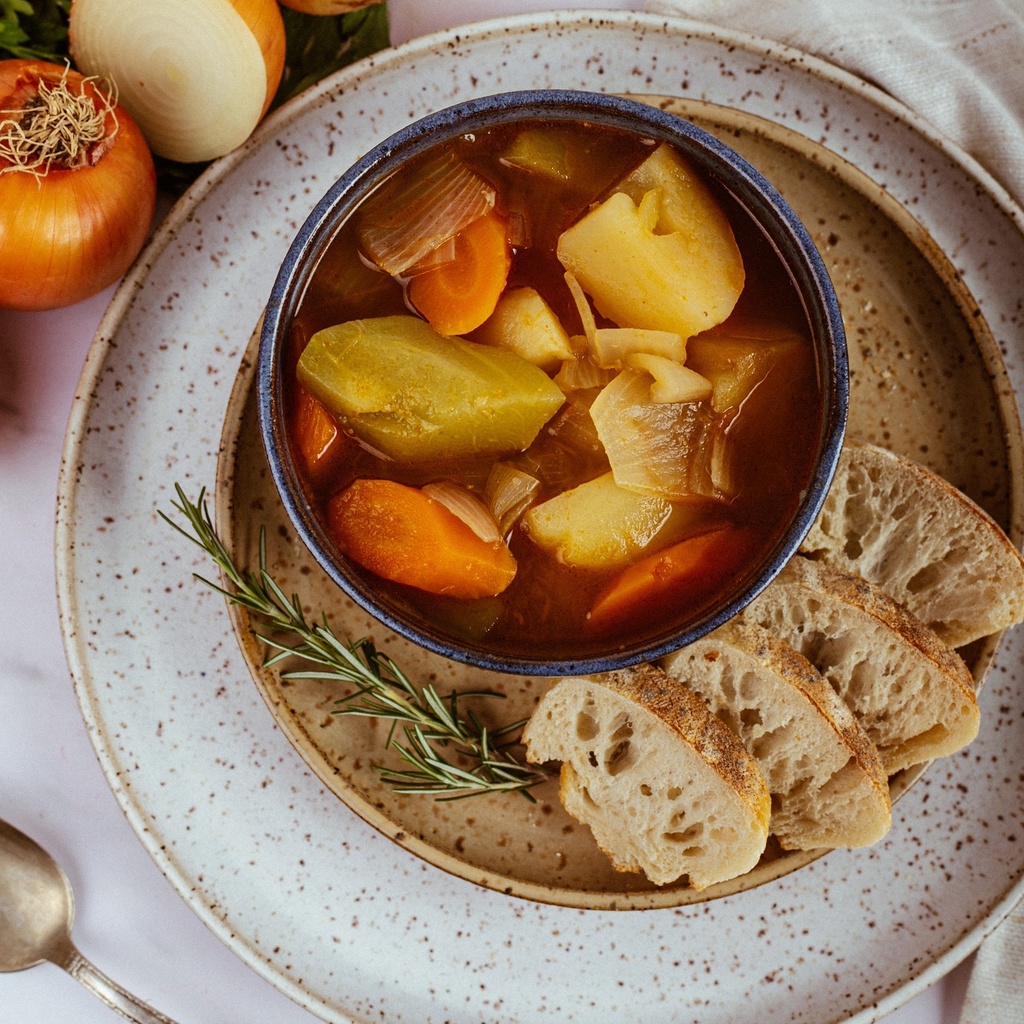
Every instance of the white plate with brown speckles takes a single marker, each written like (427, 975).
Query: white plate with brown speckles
(356, 927)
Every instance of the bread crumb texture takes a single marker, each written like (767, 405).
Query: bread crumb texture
(934, 551)
(664, 785)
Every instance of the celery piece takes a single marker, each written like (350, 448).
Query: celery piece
(414, 395)
(541, 150)
(737, 365)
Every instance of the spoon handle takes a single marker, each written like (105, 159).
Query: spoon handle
(111, 993)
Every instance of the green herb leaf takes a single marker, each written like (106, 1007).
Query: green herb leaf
(34, 31)
(319, 45)
(449, 756)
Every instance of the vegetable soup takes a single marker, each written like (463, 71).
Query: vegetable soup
(553, 389)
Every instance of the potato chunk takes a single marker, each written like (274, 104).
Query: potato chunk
(687, 206)
(525, 324)
(600, 525)
(661, 257)
(415, 395)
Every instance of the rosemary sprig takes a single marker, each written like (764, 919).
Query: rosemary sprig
(430, 732)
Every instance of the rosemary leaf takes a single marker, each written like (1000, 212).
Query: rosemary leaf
(447, 755)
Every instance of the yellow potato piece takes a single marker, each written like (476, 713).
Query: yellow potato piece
(735, 366)
(687, 204)
(660, 253)
(600, 525)
(525, 324)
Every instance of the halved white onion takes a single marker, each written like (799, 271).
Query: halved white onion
(197, 75)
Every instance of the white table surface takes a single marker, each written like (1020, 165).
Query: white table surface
(129, 921)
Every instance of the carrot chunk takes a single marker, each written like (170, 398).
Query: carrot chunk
(404, 535)
(458, 296)
(315, 432)
(687, 571)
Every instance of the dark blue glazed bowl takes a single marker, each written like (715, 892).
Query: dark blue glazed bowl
(721, 166)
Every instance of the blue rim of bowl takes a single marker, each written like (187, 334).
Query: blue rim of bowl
(718, 162)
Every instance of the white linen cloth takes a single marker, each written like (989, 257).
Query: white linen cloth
(995, 993)
(957, 63)
(960, 65)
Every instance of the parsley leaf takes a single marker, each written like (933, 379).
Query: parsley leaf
(34, 31)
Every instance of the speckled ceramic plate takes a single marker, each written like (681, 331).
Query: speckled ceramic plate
(355, 926)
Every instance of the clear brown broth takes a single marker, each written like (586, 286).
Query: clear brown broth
(543, 613)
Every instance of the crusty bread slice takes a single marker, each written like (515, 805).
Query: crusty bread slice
(664, 785)
(825, 776)
(911, 692)
(932, 549)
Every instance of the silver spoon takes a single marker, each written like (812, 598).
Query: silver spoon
(36, 911)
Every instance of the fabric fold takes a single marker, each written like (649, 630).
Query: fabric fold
(995, 992)
(959, 64)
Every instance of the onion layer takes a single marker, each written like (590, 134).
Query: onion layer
(75, 218)
(468, 507)
(197, 75)
(411, 219)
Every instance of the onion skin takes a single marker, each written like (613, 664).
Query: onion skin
(327, 6)
(71, 233)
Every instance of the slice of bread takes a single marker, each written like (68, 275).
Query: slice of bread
(825, 776)
(664, 785)
(926, 544)
(911, 692)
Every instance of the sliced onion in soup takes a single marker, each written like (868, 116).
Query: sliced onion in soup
(405, 224)
(656, 447)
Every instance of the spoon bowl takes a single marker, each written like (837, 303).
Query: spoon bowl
(37, 908)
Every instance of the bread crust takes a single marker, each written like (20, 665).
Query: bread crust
(742, 668)
(684, 750)
(872, 600)
(780, 657)
(904, 528)
(808, 586)
(687, 715)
